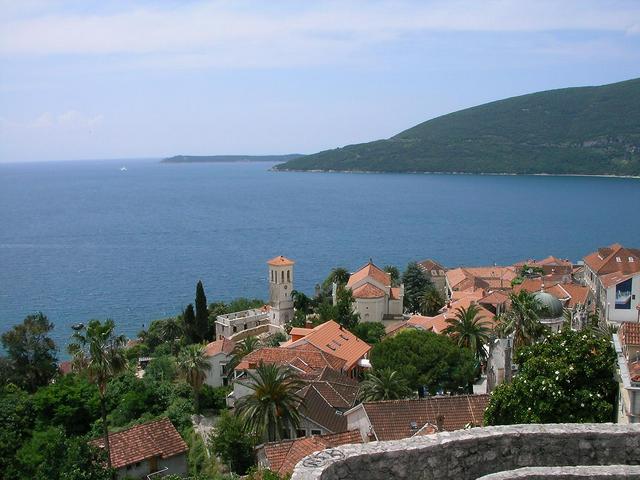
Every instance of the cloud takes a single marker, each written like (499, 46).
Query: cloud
(69, 120)
(247, 33)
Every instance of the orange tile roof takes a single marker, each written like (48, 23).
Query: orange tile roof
(370, 270)
(368, 290)
(305, 359)
(300, 331)
(572, 293)
(283, 456)
(611, 279)
(223, 345)
(280, 261)
(158, 438)
(494, 298)
(395, 293)
(392, 328)
(393, 419)
(331, 338)
(473, 278)
(605, 260)
(440, 322)
(429, 264)
(629, 334)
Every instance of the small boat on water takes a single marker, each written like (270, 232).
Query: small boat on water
(123, 169)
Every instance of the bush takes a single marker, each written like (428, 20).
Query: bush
(214, 398)
(179, 412)
(232, 444)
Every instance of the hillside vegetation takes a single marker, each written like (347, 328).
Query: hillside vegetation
(585, 130)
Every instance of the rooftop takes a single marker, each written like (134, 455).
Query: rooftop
(158, 438)
(280, 261)
(305, 359)
(629, 334)
(614, 259)
(223, 345)
(370, 271)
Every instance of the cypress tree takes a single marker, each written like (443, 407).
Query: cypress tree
(202, 313)
(189, 320)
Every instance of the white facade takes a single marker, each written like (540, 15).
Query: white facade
(217, 375)
(616, 309)
(236, 322)
(357, 419)
(176, 465)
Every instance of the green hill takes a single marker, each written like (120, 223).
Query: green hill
(585, 130)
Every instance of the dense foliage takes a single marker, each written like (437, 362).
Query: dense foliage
(370, 332)
(587, 130)
(232, 444)
(566, 378)
(426, 359)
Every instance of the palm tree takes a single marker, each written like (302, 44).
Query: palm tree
(275, 401)
(385, 384)
(522, 320)
(242, 349)
(431, 302)
(99, 353)
(468, 329)
(171, 331)
(338, 275)
(394, 274)
(193, 364)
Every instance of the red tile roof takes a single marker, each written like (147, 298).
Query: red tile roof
(306, 358)
(629, 334)
(368, 290)
(429, 265)
(494, 298)
(370, 270)
(283, 456)
(65, 367)
(331, 338)
(224, 345)
(611, 279)
(605, 260)
(140, 442)
(473, 278)
(397, 419)
(280, 261)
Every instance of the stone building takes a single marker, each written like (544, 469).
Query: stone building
(219, 355)
(436, 273)
(280, 287)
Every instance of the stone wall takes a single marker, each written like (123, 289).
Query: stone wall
(473, 453)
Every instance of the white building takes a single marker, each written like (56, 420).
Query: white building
(374, 297)
(219, 355)
(613, 275)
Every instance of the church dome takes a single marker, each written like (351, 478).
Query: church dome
(552, 307)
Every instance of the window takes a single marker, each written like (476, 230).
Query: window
(631, 260)
(618, 259)
(301, 433)
(316, 432)
(282, 276)
(223, 369)
(235, 329)
(434, 273)
(288, 275)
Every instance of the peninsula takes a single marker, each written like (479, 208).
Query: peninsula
(229, 158)
(571, 131)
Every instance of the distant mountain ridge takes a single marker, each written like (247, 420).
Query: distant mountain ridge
(230, 158)
(573, 131)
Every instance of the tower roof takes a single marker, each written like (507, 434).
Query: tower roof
(280, 261)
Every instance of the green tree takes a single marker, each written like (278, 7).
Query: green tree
(172, 331)
(301, 302)
(385, 384)
(215, 309)
(100, 353)
(71, 403)
(394, 273)
(567, 378)
(345, 314)
(415, 284)
(193, 365)
(242, 303)
(232, 444)
(242, 349)
(17, 419)
(189, 322)
(370, 332)
(161, 369)
(469, 330)
(31, 352)
(202, 314)
(276, 339)
(425, 359)
(274, 403)
(431, 302)
(522, 319)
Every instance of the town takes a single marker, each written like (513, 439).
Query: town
(252, 387)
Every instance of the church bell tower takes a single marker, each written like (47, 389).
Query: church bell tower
(280, 287)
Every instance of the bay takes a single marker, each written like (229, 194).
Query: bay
(81, 240)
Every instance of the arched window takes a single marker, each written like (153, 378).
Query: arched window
(282, 276)
(288, 275)
(271, 272)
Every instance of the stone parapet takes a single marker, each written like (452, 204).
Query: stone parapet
(477, 452)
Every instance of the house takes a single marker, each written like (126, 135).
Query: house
(550, 266)
(304, 359)
(142, 450)
(440, 322)
(219, 354)
(332, 338)
(397, 419)
(470, 279)
(435, 272)
(627, 345)
(281, 457)
(613, 275)
(375, 299)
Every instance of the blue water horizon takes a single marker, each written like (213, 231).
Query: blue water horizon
(83, 239)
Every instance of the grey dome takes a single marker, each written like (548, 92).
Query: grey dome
(551, 305)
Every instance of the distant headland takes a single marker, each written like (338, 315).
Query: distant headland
(229, 158)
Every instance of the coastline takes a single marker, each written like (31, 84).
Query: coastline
(457, 173)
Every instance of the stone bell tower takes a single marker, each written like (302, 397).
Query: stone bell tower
(280, 286)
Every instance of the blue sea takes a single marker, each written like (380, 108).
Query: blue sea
(82, 240)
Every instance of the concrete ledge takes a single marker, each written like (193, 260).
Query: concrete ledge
(591, 472)
(470, 454)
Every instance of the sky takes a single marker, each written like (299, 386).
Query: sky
(113, 79)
